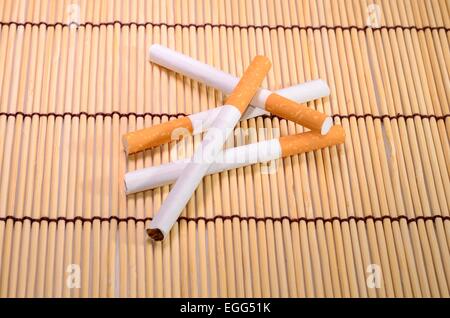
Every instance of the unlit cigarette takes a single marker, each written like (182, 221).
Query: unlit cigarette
(264, 151)
(175, 129)
(212, 144)
(265, 99)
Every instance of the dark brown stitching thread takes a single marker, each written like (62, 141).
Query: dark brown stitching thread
(130, 114)
(230, 217)
(242, 27)
(398, 116)
(89, 115)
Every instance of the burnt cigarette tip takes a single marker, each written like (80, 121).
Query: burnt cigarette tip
(155, 234)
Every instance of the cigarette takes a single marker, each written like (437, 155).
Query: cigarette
(260, 152)
(197, 123)
(264, 99)
(212, 144)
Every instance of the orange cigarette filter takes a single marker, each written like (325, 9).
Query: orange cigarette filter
(264, 151)
(249, 83)
(176, 129)
(264, 100)
(210, 147)
(154, 136)
(298, 113)
(310, 141)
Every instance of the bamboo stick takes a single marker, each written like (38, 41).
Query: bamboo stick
(54, 289)
(191, 106)
(200, 103)
(74, 105)
(344, 185)
(124, 283)
(411, 180)
(140, 104)
(350, 287)
(106, 46)
(440, 148)
(39, 132)
(57, 106)
(211, 52)
(403, 175)
(148, 158)
(322, 177)
(373, 129)
(16, 283)
(9, 271)
(415, 145)
(175, 269)
(159, 156)
(131, 164)
(419, 131)
(309, 229)
(98, 100)
(282, 229)
(6, 127)
(251, 282)
(395, 187)
(436, 83)
(358, 203)
(268, 286)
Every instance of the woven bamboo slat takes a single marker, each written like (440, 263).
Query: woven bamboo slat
(75, 77)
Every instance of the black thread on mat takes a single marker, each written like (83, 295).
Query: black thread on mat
(242, 27)
(160, 115)
(386, 116)
(89, 115)
(230, 217)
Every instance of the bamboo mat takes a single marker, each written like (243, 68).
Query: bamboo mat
(366, 219)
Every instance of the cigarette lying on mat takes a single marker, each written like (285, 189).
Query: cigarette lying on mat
(212, 144)
(264, 151)
(265, 99)
(197, 123)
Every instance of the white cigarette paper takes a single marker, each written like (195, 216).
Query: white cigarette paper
(212, 144)
(144, 179)
(301, 93)
(142, 139)
(225, 82)
(174, 129)
(149, 178)
(193, 173)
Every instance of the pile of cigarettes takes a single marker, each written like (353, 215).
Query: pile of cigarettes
(218, 123)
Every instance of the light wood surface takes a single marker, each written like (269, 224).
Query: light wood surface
(74, 78)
